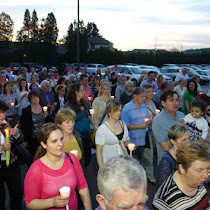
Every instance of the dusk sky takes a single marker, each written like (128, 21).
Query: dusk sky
(132, 24)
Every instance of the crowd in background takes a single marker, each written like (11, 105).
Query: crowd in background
(79, 111)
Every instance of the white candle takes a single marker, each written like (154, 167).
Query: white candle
(12, 104)
(89, 98)
(112, 97)
(146, 120)
(157, 111)
(39, 86)
(65, 191)
(91, 111)
(75, 152)
(131, 147)
(44, 108)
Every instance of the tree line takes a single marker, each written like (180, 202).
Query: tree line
(37, 41)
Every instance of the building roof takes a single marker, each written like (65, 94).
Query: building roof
(98, 40)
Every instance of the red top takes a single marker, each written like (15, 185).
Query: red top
(42, 182)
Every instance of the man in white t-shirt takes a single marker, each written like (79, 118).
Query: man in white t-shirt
(182, 75)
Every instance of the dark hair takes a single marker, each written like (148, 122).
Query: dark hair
(72, 99)
(4, 87)
(164, 85)
(150, 72)
(204, 98)
(167, 94)
(43, 135)
(138, 90)
(3, 106)
(194, 92)
(148, 87)
(60, 80)
(82, 76)
(20, 87)
(200, 104)
(59, 87)
(32, 93)
(113, 74)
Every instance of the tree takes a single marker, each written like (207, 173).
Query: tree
(24, 35)
(92, 30)
(34, 27)
(50, 29)
(6, 27)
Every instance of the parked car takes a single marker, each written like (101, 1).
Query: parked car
(63, 66)
(96, 65)
(203, 78)
(37, 66)
(133, 72)
(170, 71)
(165, 77)
(14, 66)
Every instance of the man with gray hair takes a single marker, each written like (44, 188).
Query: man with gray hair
(122, 184)
(134, 114)
(126, 96)
(121, 88)
(182, 75)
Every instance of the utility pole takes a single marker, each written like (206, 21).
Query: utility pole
(78, 38)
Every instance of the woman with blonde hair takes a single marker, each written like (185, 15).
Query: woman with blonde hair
(65, 119)
(99, 103)
(112, 136)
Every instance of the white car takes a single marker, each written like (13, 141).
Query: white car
(133, 72)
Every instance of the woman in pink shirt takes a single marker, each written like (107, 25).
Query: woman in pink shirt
(52, 170)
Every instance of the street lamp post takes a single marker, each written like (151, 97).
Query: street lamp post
(78, 38)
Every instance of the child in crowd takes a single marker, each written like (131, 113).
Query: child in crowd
(198, 126)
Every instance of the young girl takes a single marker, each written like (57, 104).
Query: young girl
(198, 126)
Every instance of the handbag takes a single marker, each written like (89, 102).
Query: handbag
(23, 155)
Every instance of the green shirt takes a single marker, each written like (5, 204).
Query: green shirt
(187, 97)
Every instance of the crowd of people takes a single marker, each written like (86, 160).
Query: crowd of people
(50, 122)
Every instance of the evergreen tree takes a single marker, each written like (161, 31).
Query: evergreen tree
(34, 27)
(50, 29)
(92, 30)
(6, 27)
(24, 35)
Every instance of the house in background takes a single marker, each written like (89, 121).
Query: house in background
(99, 42)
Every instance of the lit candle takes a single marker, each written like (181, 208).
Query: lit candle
(201, 92)
(75, 152)
(157, 111)
(91, 111)
(44, 108)
(112, 97)
(146, 120)
(131, 147)
(12, 104)
(89, 98)
(7, 152)
(118, 74)
(6, 79)
(39, 86)
(65, 192)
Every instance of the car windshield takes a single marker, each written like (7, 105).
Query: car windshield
(202, 72)
(135, 70)
(101, 66)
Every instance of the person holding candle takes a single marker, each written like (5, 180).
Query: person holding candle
(23, 94)
(77, 103)
(9, 166)
(99, 103)
(34, 84)
(148, 157)
(31, 121)
(65, 119)
(55, 170)
(12, 100)
(112, 136)
(134, 114)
